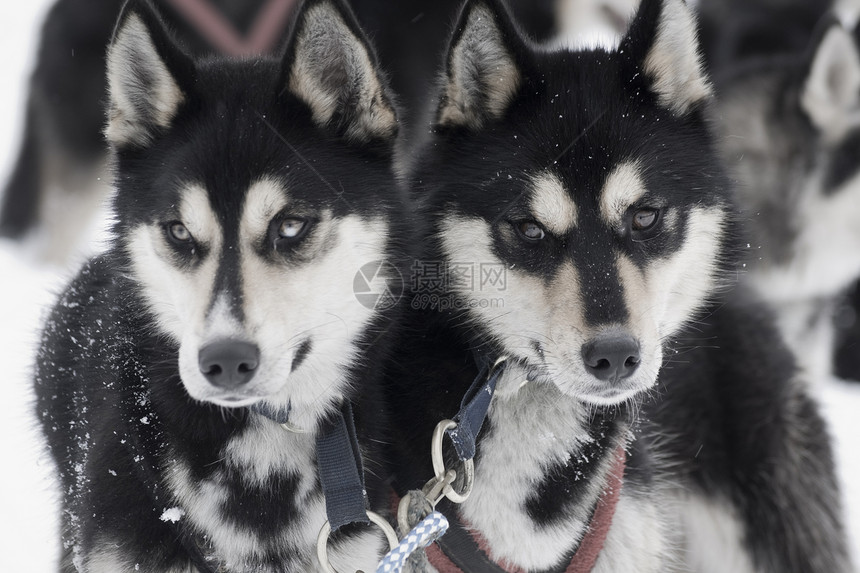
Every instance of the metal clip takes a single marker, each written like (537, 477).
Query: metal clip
(325, 532)
(440, 470)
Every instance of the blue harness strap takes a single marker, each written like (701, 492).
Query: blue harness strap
(473, 409)
(341, 470)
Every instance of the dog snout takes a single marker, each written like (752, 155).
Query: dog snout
(611, 357)
(229, 363)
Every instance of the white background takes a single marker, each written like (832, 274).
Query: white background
(28, 509)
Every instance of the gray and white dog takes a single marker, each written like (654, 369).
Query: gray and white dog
(790, 128)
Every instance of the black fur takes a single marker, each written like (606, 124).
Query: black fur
(113, 407)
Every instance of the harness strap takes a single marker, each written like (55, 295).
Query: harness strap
(474, 407)
(341, 470)
(463, 550)
(222, 35)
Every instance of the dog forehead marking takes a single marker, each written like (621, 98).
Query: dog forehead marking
(551, 205)
(197, 214)
(265, 199)
(622, 188)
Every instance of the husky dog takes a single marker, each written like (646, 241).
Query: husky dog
(249, 194)
(589, 181)
(790, 129)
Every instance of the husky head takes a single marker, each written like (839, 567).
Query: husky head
(589, 177)
(250, 193)
(791, 131)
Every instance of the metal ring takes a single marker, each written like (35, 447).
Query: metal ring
(439, 464)
(325, 532)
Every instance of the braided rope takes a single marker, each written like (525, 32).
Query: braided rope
(426, 532)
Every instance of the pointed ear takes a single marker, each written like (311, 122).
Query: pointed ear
(482, 70)
(831, 89)
(662, 43)
(331, 66)
(147, 74)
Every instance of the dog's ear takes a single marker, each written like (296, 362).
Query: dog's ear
(147, 75)
(662, 43)
(482, 70)
(331, 66)
(831, 87)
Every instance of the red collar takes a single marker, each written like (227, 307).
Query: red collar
(589, 548)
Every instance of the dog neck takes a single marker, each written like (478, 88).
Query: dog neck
(544, 461)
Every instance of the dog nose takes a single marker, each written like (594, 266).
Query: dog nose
(229, 363)
(611, 357)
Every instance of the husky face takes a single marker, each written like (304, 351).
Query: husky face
(590, 176)
(791, 130)
(250, 194)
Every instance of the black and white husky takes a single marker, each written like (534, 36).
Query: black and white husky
(584, 229)
(250, 193)
(789, 129)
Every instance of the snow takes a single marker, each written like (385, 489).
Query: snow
(172, 515)
(28, 496)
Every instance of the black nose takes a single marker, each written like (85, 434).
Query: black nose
(229, 363)
(611, 357)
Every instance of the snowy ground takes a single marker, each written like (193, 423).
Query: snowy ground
(27, 494)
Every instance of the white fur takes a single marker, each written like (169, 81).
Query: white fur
(680, 284)
(638, 538)
(673, 62)
(832, 91)
(482, 74)
(711, 536)
(551, 204)
(131, 54)
(533, 427)
(284, 304)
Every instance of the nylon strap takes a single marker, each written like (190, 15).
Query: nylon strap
(473, 410)
(279, 415)
(341, 471)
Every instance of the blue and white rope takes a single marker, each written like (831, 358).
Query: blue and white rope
(426, 532)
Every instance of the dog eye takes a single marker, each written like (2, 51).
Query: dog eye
(291, 228)
(645, 219)
(530, 231)
(178, 233)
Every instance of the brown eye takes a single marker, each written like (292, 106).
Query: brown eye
(645, 219)
(178, 233)
(291, 228)
(530, 231)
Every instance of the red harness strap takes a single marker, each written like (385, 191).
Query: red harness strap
(592, 543)
(219, 32)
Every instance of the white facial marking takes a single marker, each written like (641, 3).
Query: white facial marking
(178, 298)
(549, 315)
(623, 188)
(287, 302)
(483, 76)
(674, 63)
(552, 205)
(131, 55)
